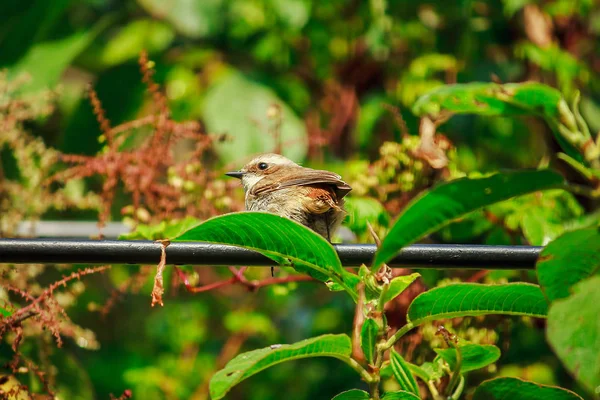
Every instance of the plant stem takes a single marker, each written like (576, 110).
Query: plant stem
(459, 389)
(401, 332)
(374, 390)
(433, 390)
(374, 386)
(456, 376)
(380, 303)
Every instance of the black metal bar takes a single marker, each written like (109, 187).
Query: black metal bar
(21, 251)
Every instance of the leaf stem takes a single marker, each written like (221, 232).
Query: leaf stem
(433, 390)
(459, 389)
(396, 336)
(380, 303)
(456, 376)
(364, 374)
(374, 386)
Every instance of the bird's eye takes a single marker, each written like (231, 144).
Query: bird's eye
(263, 166)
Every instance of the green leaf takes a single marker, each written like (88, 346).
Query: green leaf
(5, 313)
(368, 338)
(176, 228)
(402, 373)
(362, 210)
(399, 285)
(400, 395)
(574, 332)
(490, 99)
(46, 61)
(372, 287)
(354, 394)
(164, 230)
(428, 371)
(279, 238)
(537, 228)
(473, 299)
(518, 389)
(193, 18)
(447, 202)
(238, 107)
(567, 260)
(142, 34)
(474, 356)
(247, 364)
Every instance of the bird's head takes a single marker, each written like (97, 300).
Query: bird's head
(261, 167)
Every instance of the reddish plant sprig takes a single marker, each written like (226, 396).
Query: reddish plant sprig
(143, 171)
(100, 115)
(239, 278)
(45, 311)
(38, 306)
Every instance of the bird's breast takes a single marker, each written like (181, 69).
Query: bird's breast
(286, 202)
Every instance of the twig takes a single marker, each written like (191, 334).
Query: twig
(359, 318)
(33, 308)
(238, 277)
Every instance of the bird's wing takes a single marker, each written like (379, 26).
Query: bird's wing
(306, 177)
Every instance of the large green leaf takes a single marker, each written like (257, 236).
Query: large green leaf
(279, 238)
(400, 395)
(238, 107)
(474, 356)
(354, 394)
(490, 99)
(368, 338)
(567, 260)
(247, 364)
(472, 299)
(574, 332)
(529, 98)
(517, 389)
(447, 202)
(402, 373)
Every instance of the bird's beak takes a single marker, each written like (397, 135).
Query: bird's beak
(235, 174)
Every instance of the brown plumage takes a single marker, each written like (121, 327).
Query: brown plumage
(311, 197)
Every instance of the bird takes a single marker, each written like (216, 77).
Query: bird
(314, 198)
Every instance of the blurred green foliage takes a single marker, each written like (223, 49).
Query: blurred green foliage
(332, 84)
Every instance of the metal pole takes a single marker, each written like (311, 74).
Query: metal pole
(42, 251)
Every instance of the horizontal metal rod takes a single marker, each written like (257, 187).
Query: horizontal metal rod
(45, 251)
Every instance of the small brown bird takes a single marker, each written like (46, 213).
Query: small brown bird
(314, 198)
